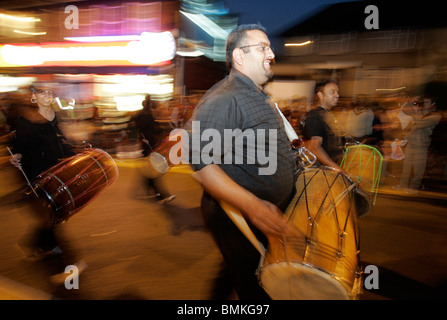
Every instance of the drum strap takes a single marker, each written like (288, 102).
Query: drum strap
(290, 132)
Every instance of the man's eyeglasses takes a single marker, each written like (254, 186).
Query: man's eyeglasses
(262, 46)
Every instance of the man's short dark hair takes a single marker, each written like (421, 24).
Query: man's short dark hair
(236, 39)
(319, 87)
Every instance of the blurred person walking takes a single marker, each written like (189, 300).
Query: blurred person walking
(359, 120)
(419, 132)
(392, 134)
(151, 135)
(38, 145)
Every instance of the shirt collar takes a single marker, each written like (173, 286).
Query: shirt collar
(235, 74)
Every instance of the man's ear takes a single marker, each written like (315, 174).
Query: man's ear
(320, 95)
(238, 56)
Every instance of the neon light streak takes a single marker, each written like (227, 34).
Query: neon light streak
(151, 49)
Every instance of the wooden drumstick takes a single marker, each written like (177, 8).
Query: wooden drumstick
(20, 168)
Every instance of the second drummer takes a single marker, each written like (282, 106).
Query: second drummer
(38, 145)
(321, 129)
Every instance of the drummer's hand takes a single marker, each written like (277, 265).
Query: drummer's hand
(267, 218)
(15, 160)
(340, 170)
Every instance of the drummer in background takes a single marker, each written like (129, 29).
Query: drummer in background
(38, 145)
(238, 102)
(151, 134)
(321, 128)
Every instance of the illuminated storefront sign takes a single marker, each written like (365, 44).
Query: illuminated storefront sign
(13, 83)
(128, 91)
(150, 49)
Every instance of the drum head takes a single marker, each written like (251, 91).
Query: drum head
(158, 162)
(363, 164)
(295, 281)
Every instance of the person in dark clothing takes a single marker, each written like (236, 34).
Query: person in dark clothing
(151, 135)
(321, 128)
(150, 132)
(39, 144)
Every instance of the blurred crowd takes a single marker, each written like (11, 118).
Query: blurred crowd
(408, 130)
(114, 132)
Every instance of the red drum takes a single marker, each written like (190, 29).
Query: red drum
(71, 184)
(319, 258)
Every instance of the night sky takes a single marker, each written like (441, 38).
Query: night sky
(276, 15)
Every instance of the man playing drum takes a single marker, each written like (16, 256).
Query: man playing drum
(321, 128)
(239, 103)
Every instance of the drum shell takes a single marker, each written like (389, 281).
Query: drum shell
(320, 255)
(71, 184)
(151, 167)
(363, 164)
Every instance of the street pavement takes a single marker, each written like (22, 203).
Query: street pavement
(142, 250)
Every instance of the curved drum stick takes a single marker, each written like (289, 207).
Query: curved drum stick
(23, 172)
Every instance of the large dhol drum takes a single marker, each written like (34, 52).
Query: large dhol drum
(363, 164)
(71, 184)
(318, 259)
